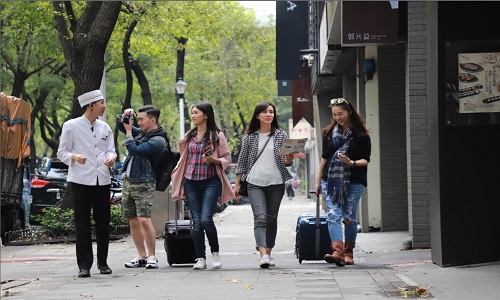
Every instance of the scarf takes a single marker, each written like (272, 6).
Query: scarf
(338, 172)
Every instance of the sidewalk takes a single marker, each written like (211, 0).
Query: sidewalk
(381, 270)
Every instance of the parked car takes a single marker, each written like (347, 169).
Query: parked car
(48, 185)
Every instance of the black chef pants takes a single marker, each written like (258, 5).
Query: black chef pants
(86, 197)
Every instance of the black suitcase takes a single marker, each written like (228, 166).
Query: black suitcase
(179, 244)
(312, 240)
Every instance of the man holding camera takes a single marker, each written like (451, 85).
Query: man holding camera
(87, 147)
(144, 145)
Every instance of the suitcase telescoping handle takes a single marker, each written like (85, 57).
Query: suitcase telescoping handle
(318, 229)
(177, 217)
(317, 207)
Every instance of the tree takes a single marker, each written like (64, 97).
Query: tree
(31, 66)
(84, 42)
(25, 43)
(229, 60)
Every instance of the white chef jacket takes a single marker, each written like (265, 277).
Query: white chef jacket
(78, 138)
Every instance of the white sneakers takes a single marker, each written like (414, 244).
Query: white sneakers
(271, 262)
(265, 261)
(137, 262)
(152, 263)
(201, 263)
(141, 262)
(216, 261)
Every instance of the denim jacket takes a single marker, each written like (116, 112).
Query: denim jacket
(141, 169)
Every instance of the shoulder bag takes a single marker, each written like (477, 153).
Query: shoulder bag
(243, 183)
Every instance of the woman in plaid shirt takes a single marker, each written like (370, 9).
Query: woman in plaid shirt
(200, 179)
(265, 174)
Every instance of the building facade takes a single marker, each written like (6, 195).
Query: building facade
(422, 176)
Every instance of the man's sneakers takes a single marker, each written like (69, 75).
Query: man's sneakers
(201, 264)
(265, 261)
(152, 263)
(137, 262)
(141, 262)
(216, 261)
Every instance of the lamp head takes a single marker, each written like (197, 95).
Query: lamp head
(180, 86)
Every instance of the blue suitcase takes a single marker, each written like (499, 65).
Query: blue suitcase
(312, 240)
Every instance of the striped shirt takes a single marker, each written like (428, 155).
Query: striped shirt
(197, 168)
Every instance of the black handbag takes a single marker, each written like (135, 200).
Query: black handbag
(243, 188)
(243, 183)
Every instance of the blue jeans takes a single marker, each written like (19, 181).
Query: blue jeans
(346, 212)
(265, 201)
(202, 197)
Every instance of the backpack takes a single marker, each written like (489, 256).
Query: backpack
(164, 167)
(166, 163)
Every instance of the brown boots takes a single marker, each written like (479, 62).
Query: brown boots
(337, 256)
(341, 254)
(348, 257)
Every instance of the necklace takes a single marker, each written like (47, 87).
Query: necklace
(200, 135)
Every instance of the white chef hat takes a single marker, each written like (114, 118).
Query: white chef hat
(90, 97)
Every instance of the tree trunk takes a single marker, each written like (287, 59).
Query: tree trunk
(84, 52)
(19, 79)
(179, 75)
(181, 51)
(127, 65)
(128, 78)
(143, 81)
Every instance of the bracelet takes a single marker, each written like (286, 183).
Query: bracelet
(353, 163)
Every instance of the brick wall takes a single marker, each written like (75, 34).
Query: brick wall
(417, 126)
(392, 116)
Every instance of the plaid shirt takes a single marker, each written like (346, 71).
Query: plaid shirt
(197, 168)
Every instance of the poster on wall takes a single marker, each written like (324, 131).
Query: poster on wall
(479, 82)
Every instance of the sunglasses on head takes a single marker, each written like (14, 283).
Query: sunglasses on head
(338, 101)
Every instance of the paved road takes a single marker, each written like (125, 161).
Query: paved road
(381, 270)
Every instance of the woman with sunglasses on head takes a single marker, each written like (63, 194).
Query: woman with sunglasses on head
(199, 177)
(265, 172)
(342, 177)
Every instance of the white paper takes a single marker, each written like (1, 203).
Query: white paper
(293, 146)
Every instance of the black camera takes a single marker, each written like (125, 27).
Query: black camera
(124, 119)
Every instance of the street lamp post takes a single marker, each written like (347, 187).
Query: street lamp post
(180, 87)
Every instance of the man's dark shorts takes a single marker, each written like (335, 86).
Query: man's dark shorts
(137, 199)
